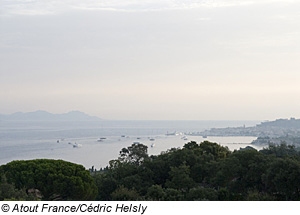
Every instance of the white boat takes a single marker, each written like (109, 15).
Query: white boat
(152, 145)
(76, 145)
(172, 133)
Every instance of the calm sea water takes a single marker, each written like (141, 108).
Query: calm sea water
(56, 140)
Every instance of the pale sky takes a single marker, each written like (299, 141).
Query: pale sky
(154, 59)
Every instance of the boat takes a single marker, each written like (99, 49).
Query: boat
(76, 145)
(172, 133)
(184, 138)
(151, 139)
(101, 139)
(152, 145)
(204, 136)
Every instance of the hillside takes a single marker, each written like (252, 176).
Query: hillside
(291, 123)
(269, 132)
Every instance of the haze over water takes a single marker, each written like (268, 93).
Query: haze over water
(33, 139)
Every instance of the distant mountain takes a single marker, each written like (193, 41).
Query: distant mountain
(46, 116)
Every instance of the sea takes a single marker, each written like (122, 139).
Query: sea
(95, 143)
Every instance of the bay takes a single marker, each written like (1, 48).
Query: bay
(79, 141)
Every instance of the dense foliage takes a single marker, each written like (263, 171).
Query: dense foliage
(205, 171)
(48, 180)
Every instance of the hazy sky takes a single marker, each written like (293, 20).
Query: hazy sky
(154, 59)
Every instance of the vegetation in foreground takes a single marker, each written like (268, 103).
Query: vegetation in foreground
(47, 180)
(205, 171)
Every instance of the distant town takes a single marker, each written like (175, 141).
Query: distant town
(269, 132)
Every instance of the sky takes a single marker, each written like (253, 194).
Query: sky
(151, 59)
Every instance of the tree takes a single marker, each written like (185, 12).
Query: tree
(202, 194)
(157, 169)
(106, 185)
(124, 194)
(218, 152)
(205, 171)
(173, 195)
(282, 179)
(55, 179)
(281, 150)
(191, 145)
(9, 191)
(135, 154)
(259, 196)
(241, 171)
(180, 178)
(156, 193)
